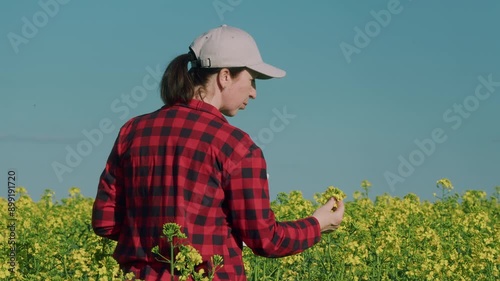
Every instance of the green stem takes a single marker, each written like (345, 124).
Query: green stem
(172, 261)
(64, 265)
(164, 259)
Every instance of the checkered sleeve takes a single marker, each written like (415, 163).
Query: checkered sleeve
(252, 217)
(108, 207)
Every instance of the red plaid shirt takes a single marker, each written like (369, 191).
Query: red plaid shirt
(186, 164)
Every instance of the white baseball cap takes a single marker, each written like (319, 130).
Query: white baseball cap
(227, 46)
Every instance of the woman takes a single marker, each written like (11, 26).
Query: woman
(185, 163)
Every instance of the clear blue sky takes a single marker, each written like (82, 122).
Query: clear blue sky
(366, 81)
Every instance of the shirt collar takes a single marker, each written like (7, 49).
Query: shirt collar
(203, 106)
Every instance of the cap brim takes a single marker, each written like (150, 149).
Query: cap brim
(267, 71)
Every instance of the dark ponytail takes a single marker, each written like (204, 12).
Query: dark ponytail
(178, 83)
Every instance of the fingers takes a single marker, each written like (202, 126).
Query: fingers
(340, 205)
(334, 205)
(330, 215)
(338, 214)
(331, 203)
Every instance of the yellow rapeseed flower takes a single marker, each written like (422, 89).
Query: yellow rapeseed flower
(444, 183)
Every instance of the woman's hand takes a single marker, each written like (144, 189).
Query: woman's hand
(328, 220)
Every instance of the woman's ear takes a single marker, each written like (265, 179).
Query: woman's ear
(224, 78)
